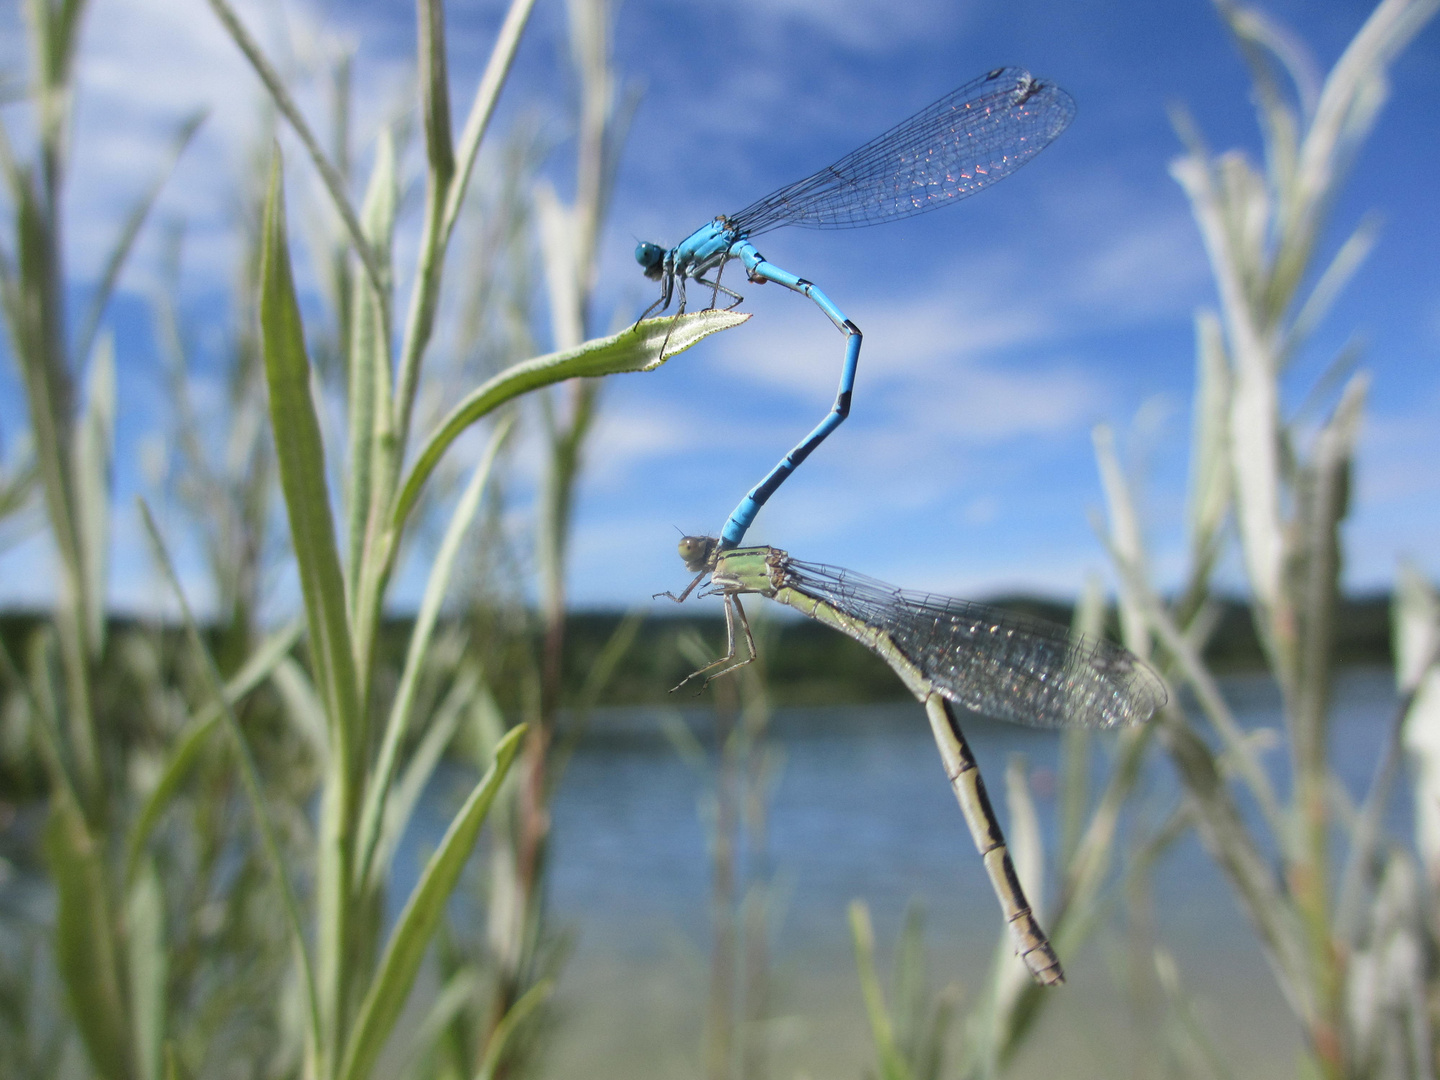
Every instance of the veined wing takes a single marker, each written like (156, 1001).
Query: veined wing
(968, 140)
(998, 663)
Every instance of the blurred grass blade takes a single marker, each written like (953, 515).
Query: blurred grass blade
(1228, 841)
(400, 963)
(637, 348)
(94, 454)
(1337, 275)
(1012, 977)
(1182, 1010)
(1191, 666)
(1125, 537)
(303, 706)
(186, 747)
(1252, 25)
(504, 1031)
(1088, 621)
(329, 175)
(419, 648)
(1417, 662)
(1254, 406)
(456, 996)
(1209, 497)
(445, 188)
(85, 948)
(249, 774)
(405, 793)
(891, 1063)
(31, 311)
(1416, 627)
(557, 227)
(300, 453)
(85, 338)
(1352, 95)
(146, 949)
(483, 106)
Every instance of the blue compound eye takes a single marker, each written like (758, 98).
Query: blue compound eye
(648, 255)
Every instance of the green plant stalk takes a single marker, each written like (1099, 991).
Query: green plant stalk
(416, 924)
(446, 180)
(87, 945)
(369, 415)
(301, 458)
(1322, 507)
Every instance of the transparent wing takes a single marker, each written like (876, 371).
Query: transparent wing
(995, 662)
(968, 140)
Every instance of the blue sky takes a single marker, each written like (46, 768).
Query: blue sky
(997, 333)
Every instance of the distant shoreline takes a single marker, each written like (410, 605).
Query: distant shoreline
(804, 663)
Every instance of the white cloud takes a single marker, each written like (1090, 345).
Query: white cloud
(144, 65)
(865, 25)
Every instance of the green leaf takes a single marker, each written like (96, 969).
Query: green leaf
(637, 348)
(94, 452)
(85, 950)
(145, 944)
(300, 453)
(369, 418)
(416, 925)
(435, 91)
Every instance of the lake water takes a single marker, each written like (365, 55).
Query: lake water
(860, 809)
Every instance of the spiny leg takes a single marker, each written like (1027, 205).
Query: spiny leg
(678, 278)
(688, 589)
(731, 599)
(735, 298)
(659, 305)
(667, 287)
(731, 602)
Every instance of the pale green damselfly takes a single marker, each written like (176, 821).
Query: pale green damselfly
(948, 653)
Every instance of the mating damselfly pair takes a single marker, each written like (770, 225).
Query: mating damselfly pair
(949, 653)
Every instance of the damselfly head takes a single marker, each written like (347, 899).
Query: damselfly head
(698, 552)
(651, 257)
